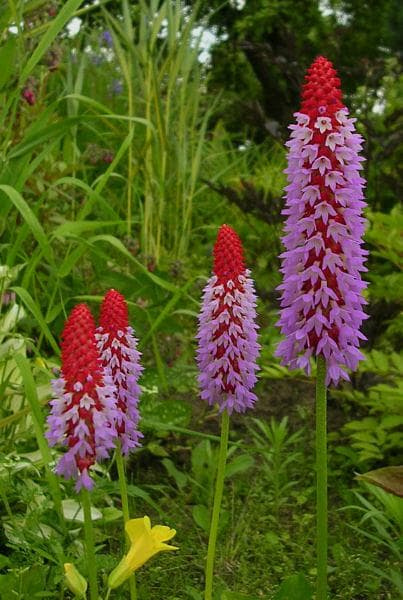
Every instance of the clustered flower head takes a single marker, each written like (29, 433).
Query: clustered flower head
(121, 359)
(322, 288)
(227, 334)
(96, 396)
(84, 405)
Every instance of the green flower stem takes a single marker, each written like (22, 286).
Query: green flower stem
(125, 508)
(321, 480)
(219, 486)
(90, 545)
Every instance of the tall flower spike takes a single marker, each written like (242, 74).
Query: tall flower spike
(121, 359)
(321, 298)
(84, 406)
(227, 336)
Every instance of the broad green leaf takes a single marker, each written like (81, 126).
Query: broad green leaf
(10, 319)
(295, 587)
(111, 513)
(179, 477)
(240, 464)
(201, 516)
(72, 511)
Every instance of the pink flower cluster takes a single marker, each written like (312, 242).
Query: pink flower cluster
(322, 288)
(96, 396)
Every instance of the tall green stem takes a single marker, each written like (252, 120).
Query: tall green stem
(321, 480)
(89, 545)
(125, 507)
(219, 486)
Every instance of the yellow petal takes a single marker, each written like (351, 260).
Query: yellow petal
(162, 547)
(120, 574)
(74, 580)
(145, 543)
(136, 528)
(162, 533)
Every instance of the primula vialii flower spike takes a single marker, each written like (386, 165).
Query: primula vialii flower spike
(227, 336)
(121, 359)
(322, 288)
(84, 407)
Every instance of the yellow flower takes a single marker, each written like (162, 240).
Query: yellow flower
(145, 542)
(74, 580)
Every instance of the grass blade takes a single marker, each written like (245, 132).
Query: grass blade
(36, 312)
(65, 13)
(30, 219)
(38, 421)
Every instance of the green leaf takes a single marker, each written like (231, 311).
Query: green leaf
(70, 261)
(72, 511)
(74, 228)
(38, 423)
(295, 587)
(167, 310)
(156, 449)
(65, 13)
(240, 464)
(201, 516)
(108, 113)
(136, 492)
(4, 561)
(117, 244)
(380, 360)
(179, 477)
(8, 54)
(42, 136)
(193, 593)
(30, 219)
(111, 513)
(36, 312)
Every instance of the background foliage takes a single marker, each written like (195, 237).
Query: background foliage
(121, 154)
